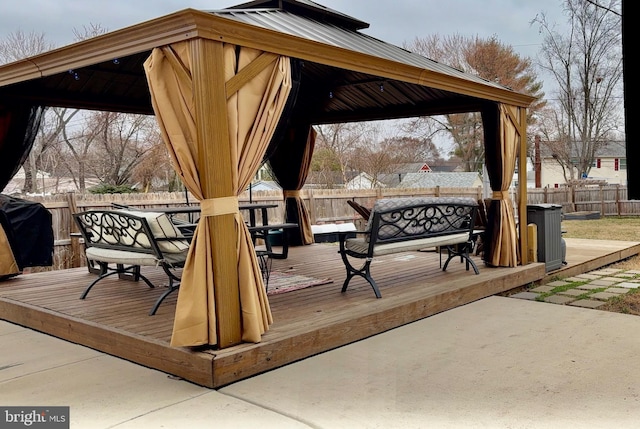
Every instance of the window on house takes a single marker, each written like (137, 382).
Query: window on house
(597, 163)
(623, 163)
(616, 164)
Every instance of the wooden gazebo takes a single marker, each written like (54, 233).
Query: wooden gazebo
(231, 87)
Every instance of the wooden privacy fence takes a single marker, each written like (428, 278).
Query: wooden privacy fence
(325, 206)
(608, 200)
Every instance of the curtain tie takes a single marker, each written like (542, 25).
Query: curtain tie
(500, 195)
(291, 193)
(219, 206)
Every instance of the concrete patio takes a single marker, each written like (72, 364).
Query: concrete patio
(495, 363)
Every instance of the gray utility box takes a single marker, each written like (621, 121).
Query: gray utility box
(547, 218)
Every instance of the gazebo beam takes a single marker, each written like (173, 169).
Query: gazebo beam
(215, 163)
(522, 189)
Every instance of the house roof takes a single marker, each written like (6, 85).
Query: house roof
(346, 75)
(445, 180)
(264, 185)
(612, 149)
(419, 167)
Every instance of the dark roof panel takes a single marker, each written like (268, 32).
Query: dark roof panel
(309, 9)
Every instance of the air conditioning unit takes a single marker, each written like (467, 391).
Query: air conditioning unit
(547, 218)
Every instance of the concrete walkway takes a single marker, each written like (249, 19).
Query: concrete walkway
(495, 363)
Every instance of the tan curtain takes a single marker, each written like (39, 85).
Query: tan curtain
(290, 164)
(254, 105)
(8, 264)
(501, 150)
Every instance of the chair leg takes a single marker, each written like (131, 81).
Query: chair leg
(128, 273)
(461, 250)
(174, 284)
(364, 271)
(265, 262)
(172, 287)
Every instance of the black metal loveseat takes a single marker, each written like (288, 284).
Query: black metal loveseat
(121, 241)
(406, 224)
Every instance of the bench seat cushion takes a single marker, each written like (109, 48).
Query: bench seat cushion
(113, 256)
(162, 227)
(361, 245)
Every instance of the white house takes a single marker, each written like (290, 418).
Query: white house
(610, 165)
(364, 181)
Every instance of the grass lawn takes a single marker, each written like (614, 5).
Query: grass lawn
(606, 228)
(611, 228)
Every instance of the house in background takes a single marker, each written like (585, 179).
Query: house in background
(365, 181)
(443, 180)
(264, 185)
(399, 172)
(327, 179)
(609, 165)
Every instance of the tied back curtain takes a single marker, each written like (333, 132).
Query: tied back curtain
(501, 133)
(257, 87)
(290, 164)
(8, 263)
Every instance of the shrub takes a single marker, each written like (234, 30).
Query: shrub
(112, 189)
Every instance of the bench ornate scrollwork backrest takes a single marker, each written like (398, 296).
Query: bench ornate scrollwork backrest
(396, 219)
(131, 231)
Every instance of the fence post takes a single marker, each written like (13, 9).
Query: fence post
(72, 227)
(601, 200)
(618, 199)
(312, 207)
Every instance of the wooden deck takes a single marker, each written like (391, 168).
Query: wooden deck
(114, 317)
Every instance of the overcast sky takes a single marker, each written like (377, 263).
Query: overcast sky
(394, 21)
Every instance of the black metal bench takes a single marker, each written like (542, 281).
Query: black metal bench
(121, 241)
(405, 224)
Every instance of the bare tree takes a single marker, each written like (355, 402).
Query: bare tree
(76, 142)
(337, 146)
(489, 59)
(120, 142)
(89, 31)
(154, 167)
(19, 45)
(381, 158)
(586, 63)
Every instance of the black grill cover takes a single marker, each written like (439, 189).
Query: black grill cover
(29, 231)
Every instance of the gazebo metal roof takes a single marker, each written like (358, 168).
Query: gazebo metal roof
(346, 75)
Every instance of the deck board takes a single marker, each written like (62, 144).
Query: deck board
(114, 316)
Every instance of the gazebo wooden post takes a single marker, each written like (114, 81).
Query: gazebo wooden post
(522, 188)
(215, 164)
